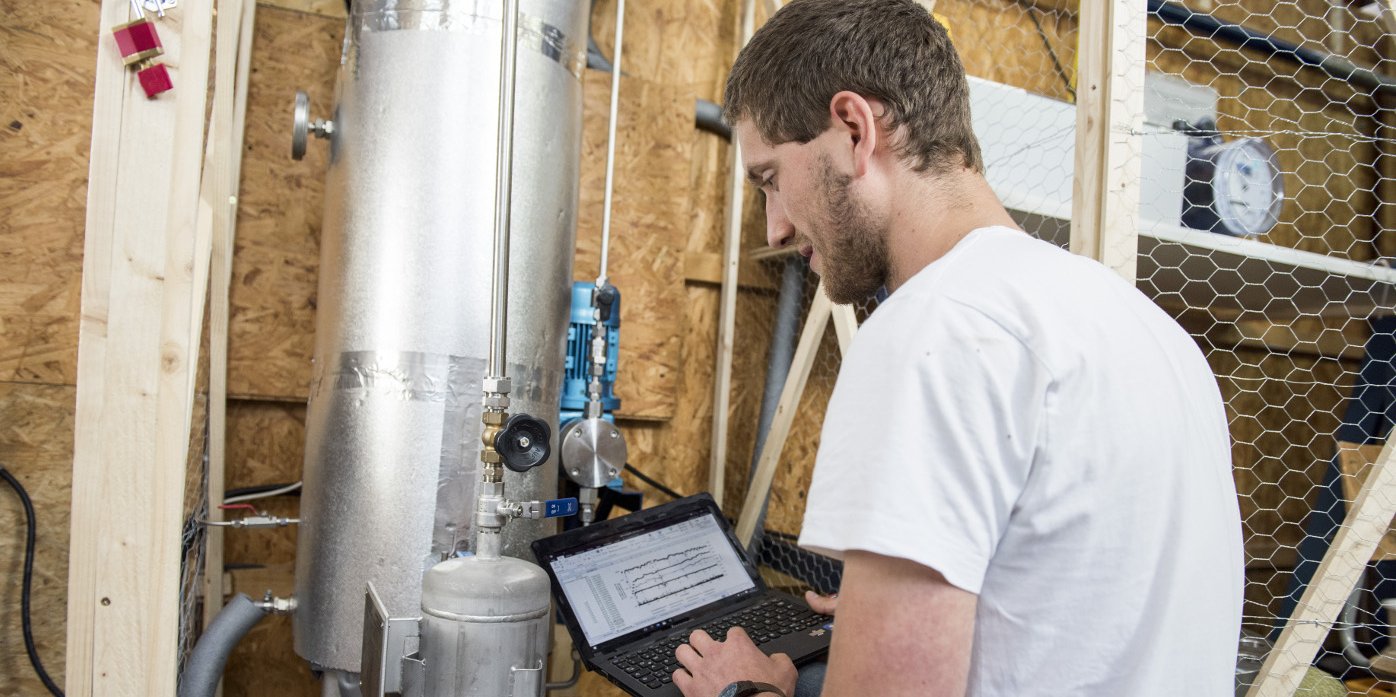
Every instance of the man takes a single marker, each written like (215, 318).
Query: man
(1025, 464)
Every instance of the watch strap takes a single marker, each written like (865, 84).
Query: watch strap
(748, 688)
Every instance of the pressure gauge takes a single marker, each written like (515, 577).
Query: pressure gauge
(1232, 187)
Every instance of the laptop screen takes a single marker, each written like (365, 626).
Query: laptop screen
(640, 581)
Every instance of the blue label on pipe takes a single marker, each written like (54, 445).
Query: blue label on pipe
(560, 507)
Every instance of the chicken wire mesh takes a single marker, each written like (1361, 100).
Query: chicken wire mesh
(1264, 154)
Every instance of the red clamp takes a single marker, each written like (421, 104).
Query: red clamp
(139, 46)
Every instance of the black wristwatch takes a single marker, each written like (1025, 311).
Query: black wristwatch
(747, 688)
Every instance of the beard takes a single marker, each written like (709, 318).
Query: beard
(855, 256)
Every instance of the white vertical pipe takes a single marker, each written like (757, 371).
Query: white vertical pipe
(611, 142)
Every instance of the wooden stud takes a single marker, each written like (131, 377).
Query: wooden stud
(143, 281)
(1363, 528)
(1109, 120)
(727, 318)
(219, 211)
(845, 326)
(815, 323)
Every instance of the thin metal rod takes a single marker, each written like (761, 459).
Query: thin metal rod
(611, 143)
(503, 191)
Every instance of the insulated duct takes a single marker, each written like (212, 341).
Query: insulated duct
(393, 425)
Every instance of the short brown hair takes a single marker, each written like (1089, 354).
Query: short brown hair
(892, 50)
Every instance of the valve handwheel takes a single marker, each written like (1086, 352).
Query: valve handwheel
(525, 442)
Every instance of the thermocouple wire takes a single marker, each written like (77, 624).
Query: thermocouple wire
(611, 143)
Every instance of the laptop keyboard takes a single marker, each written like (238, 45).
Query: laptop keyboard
(655, 664)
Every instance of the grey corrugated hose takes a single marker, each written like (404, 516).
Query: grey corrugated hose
(205, 666)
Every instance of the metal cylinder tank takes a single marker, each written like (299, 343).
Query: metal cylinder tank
(392, 431)
(492, 614)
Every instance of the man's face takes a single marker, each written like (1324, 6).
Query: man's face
(814, 207)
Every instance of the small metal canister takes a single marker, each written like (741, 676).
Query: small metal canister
(485, 628)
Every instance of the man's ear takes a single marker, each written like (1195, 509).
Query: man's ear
(853, 119)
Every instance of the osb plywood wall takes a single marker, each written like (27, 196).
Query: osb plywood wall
(668, 237)
(46, 77)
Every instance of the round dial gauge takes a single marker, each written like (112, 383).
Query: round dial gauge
(1233, 187)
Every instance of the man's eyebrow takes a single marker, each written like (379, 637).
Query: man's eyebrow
(753, 173)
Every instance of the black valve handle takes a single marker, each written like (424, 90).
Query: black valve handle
(525, 442)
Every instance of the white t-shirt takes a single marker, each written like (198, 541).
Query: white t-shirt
(1033, 428)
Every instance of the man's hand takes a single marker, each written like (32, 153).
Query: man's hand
(822, 604)
(710, 665)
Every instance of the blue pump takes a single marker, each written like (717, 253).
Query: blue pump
(576, 375)
(576, 372)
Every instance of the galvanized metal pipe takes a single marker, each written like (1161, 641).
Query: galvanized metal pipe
(503, 190)
(611, 144)
(1206, 25)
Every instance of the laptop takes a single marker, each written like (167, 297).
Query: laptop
(631, 590)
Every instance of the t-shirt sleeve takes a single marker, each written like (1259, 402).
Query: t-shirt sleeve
(928, 441)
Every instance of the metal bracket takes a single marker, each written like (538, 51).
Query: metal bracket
(528, 682)
(385, 645)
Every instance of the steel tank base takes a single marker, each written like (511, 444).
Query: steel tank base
(485, 628)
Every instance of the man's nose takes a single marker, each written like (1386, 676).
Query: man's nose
(779, 231)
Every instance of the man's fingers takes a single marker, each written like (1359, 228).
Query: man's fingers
(739, 635)
(783, 659)
(700, 641)
(686, 655)
(683, 680)
(822, 604)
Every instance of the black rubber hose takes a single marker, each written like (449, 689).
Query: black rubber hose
(28, 581)
(205, 666)
(708, 117)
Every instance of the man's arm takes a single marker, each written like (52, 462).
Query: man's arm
(901, 629)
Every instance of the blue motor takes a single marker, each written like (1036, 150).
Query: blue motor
(592, 450)
(577, 374)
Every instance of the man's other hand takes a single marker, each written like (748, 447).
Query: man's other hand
(710, 665)
(822, 604)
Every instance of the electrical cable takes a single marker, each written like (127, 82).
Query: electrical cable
(29, 540)
(260, 492)
(1056, 63)
(652, 482)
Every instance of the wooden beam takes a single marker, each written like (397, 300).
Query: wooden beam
(1363, 528)
(727, 314)
(845, 326)
(1268, 336)
(143, 281)
(222, 171)
(805, 351)
(709, 267)
(1109, 120)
